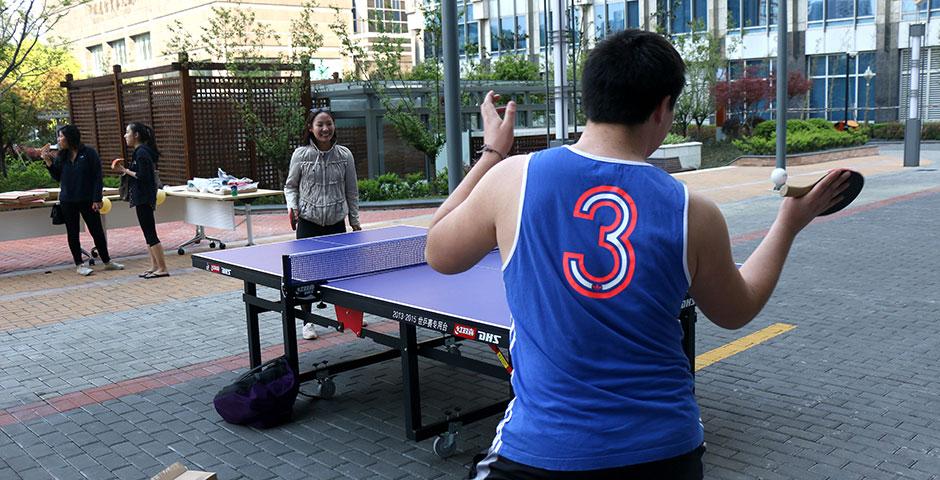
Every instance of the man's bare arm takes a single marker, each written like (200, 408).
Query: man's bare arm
(732, 297)
(463, 229)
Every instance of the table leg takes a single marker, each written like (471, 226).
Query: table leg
(289, 327)
(251, 238)
(254, 331)
(409, 374)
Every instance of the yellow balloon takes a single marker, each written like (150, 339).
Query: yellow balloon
(161, 197)
(105, 206)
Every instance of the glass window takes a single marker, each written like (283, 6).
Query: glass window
(841, 10)
(97, 59)
(522, 31)
(387, 17)
(494, 34)
(142, 43)
(815, 8)
(119, 51)
(734, 14)
(633, 14)
(817, 98)
(506, 34)
(828, 75)
(682, 16)
(615, 17)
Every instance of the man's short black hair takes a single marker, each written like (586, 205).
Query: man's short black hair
(628, 74)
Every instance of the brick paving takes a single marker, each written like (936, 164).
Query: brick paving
(112, 376)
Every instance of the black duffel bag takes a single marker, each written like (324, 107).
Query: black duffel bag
(262, 397)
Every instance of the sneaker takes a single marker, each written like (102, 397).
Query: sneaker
(112, 265)
(84, 270)
(309, 331)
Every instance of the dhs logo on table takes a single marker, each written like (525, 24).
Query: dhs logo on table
(219, 269)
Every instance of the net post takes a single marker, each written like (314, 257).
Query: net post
(286, 276)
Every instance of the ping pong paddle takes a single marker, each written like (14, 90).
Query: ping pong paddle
(856, 182)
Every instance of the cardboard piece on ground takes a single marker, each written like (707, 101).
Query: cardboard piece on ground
(179, 472)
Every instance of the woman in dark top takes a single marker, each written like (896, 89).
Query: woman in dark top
(77, 168)
(142, 190)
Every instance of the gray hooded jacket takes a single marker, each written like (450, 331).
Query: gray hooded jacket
(321, 185)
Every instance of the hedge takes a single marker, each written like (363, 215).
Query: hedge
(810, 135)
(390, 186)
(895, 131)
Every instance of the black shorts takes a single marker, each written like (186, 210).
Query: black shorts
(687, 466)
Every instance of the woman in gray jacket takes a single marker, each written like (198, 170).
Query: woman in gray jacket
(321, 189)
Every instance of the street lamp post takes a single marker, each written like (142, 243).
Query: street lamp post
(912, 126)
(848, 62)
(868, 76)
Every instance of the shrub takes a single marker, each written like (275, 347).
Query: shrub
(802, 136)
(672, 139)
(887, 130)
(705, 135)
(390, 186)
(930, 131)
(26, 176)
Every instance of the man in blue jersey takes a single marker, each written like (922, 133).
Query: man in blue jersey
(599, 249)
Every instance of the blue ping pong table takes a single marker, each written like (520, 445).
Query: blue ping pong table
(382, 272)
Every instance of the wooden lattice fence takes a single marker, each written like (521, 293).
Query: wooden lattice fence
(194, 113)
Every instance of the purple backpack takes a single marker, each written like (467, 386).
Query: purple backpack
(262, 397)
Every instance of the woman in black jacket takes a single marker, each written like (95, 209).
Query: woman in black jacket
(77, 168)
(142, 190)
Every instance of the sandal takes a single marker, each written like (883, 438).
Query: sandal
(146, 272)
(157, 275)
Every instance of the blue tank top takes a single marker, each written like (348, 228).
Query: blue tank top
(594, 282)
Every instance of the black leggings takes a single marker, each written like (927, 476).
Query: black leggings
(71, 211)
(307, 229)
(147, 224)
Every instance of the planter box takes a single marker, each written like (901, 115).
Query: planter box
(807, 158)
(689, 154)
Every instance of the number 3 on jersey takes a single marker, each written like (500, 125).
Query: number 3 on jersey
(612, 237)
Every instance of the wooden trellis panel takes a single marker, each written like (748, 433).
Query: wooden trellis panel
(216, 136)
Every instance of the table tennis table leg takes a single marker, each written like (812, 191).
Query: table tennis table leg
(251, 238)
(254, 331)
(409, 373)
(289, 326)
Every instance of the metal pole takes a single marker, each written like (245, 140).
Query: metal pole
(451, 100)
(912, 127)
(781, 160)
(558, 56)
(845, 114)
(548, 94)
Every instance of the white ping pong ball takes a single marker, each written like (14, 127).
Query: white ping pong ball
(779, 177)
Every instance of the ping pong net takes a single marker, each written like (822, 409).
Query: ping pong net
(300, 269)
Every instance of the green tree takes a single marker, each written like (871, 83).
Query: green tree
(22, 24)
(515, 67)
(381, 70)
(703, 58)
(234, 37)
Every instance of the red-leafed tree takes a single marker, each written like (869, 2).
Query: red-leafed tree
(743, 96)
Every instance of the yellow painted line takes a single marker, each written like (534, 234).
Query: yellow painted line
(741, 344)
